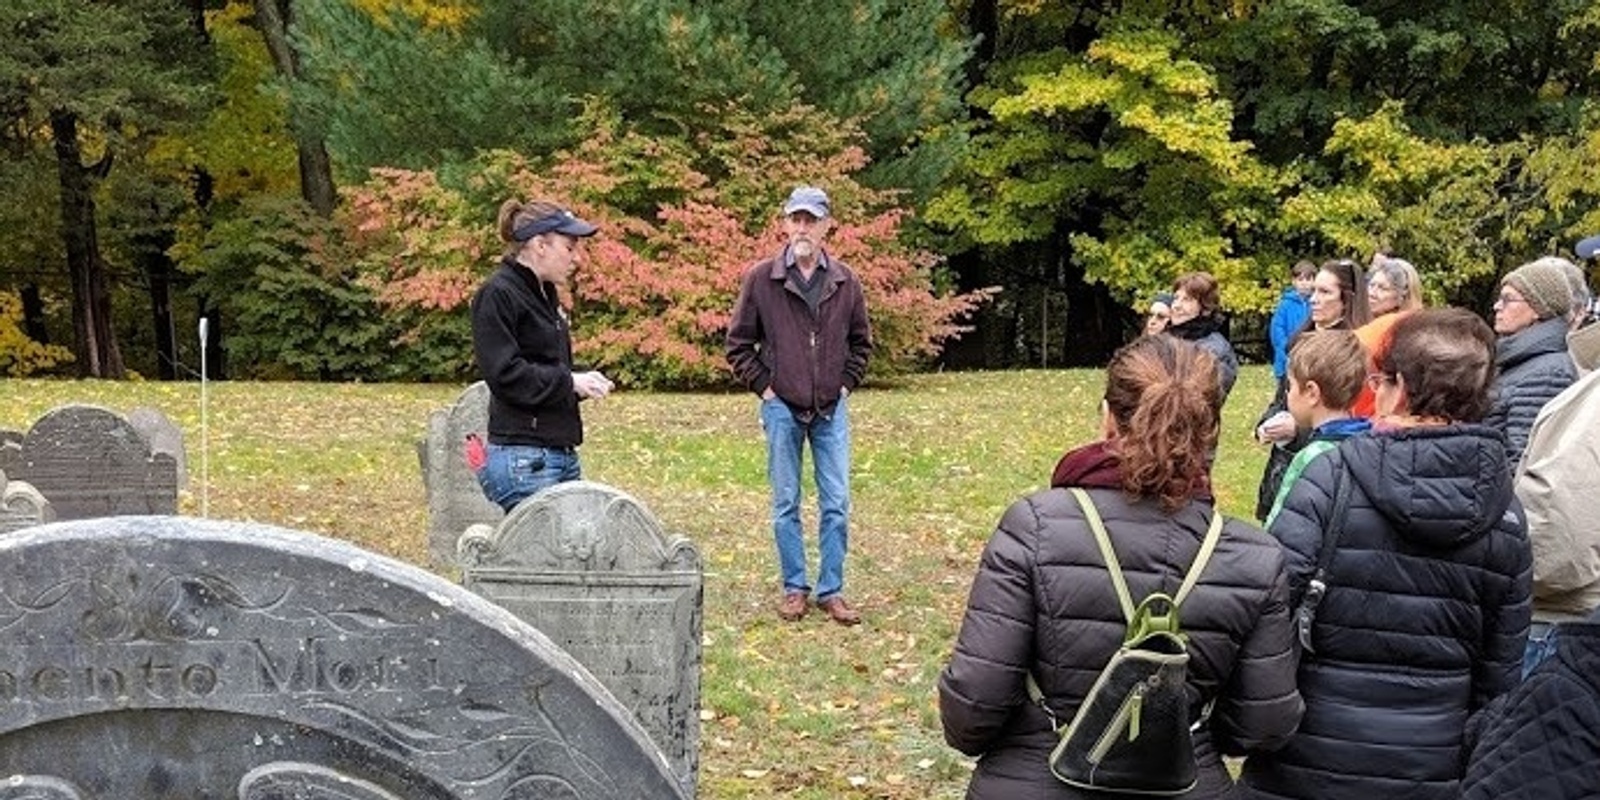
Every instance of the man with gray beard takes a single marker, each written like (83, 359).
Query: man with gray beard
(799, 338)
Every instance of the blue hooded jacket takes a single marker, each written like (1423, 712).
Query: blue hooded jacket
(1290, 316)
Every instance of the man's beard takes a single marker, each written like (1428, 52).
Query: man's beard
(804, 248)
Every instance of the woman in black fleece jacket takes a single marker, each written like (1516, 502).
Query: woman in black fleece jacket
(1043, 603)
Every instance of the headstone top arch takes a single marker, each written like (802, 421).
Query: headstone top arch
(589, 565)
(92, 462)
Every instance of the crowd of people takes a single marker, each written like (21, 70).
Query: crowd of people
(1420, 617)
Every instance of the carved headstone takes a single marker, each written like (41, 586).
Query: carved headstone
(591, 567)
(145, 657)
(455, 500)
(164, 437)
(91, 462)
(21, 506)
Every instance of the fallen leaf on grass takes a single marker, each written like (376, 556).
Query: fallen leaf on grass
(755, 773)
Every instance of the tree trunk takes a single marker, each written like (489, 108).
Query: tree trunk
(159, 271)
(274, 17)
(95, 342)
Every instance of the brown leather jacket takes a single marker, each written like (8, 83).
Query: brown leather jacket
(775, 340)
(1042, 602)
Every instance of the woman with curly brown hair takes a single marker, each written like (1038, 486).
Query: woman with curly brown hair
(1043, 602)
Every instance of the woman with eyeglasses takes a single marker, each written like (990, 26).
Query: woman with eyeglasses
(1532, 317)
(1338, 302)
(1410, 575)
(1393, 290)
(523, 346)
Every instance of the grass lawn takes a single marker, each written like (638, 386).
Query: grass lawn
(807, 710)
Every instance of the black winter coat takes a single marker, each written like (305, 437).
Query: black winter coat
(524, 351)
(1541, 741)
(1423, 622)
(1042, 601)
(1534, 367)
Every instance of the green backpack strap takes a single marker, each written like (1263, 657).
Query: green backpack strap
(1092, 516)
(1124, 597)
(1207, 546)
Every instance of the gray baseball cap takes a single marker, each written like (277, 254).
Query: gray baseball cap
(809, 199)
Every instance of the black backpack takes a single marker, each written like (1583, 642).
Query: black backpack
(1133, 730)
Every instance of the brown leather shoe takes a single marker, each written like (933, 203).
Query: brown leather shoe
(793, 607)
(839, 611)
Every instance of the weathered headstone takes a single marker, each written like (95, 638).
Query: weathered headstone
(455, 500)
(90, 462)
(163, 435)
(146, 657)
(591, 567)
(21, 506)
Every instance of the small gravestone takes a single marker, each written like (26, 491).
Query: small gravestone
(91, 462)
(590, 567)
(164, 437)
(455, 499)
(21, 506)
(156, 657)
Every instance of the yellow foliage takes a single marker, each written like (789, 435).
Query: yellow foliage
(449, 15)
(19, 355)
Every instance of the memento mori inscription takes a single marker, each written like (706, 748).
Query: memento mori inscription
(590, 567)
(145, 657)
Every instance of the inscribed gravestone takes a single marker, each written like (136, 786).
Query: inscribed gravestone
(163, 436)
(591, 567)
(455, 500)
(91, 462)
(21, 506)
(145, 657)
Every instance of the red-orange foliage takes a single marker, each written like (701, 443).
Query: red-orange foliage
(679, 226)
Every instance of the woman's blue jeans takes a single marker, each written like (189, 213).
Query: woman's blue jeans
(515, 472)
(830, 455)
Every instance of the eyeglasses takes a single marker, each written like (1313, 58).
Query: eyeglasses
(1376, 380)
(1506, 300)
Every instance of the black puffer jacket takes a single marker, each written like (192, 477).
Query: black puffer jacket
(1534, 367)
(1042, 601)
(1540, 741)
(1424, 619)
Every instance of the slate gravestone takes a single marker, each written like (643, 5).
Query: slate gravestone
(164, 437)
(91, 462)
(455, 500)
(157, 657)
(591, 567)
(21, 506)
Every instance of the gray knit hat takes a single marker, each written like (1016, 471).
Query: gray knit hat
(1543, 283)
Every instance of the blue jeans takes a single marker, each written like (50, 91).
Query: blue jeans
(830, 455)
(1541, 646)
(516, 471)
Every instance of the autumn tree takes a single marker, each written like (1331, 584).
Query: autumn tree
(654, 298)
(94, 79)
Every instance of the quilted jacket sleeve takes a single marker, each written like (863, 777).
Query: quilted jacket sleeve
(1260, 707)
(985, 681)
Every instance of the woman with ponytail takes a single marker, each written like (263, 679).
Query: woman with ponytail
(524, 351)
(1043, 605)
